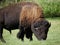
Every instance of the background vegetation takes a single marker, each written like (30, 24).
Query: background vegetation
(51, 8)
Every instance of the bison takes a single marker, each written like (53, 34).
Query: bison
(26, 16)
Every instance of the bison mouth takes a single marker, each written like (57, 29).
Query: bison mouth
(38, 36)
(37, 33)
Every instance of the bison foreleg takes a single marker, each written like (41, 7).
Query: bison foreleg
(20, 34)
(29, 36)
(29, 33)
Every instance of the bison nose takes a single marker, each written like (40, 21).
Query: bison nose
(44, 38)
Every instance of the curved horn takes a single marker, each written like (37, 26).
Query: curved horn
(49, 24)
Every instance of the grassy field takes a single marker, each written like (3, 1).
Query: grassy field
(52, 39)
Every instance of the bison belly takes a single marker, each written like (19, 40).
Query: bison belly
(11, 21)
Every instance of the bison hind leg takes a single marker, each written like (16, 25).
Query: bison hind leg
(1, 36)
(2, 39)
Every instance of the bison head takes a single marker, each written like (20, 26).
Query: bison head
(40, 29)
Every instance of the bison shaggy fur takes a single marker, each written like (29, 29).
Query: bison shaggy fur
(26, 16)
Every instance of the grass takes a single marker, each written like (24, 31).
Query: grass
(52, 39)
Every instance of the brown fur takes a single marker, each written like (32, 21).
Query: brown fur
(30, 13)
(21, 14)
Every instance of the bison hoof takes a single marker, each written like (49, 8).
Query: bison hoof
(22, 39)
(31, 39)
(3, 40)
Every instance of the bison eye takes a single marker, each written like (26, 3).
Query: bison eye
(36, 29)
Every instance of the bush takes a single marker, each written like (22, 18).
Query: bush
(50, 8)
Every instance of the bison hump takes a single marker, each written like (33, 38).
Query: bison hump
(30, 13)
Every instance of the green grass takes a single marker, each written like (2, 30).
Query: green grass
(52, 39)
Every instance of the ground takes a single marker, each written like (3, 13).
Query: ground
(52, 39)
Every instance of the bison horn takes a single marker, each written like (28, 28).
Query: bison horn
(49, 24)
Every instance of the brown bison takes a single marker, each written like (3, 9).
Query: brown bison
(26, 16)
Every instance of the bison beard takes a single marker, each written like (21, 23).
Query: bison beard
(22, 16)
